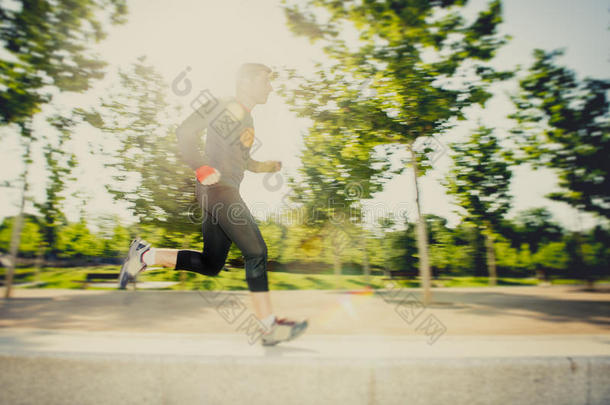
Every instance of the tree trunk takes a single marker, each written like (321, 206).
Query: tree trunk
(186, 242)
(479, 260)
(333, 236)
(39, 261)
(491, 258)
(589, 280)
(336, 262)
(367, 267)
(422, 237)
(15, 241)
(541, 275)
(17, 224)
(337, 266)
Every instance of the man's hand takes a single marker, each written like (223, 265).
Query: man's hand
(207, 175)
(268, 166)
(272, 166)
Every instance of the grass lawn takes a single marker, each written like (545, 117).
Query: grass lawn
(234, 280)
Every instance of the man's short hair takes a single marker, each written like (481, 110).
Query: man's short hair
(248, 71)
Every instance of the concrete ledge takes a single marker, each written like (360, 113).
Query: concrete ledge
(77, 367)
(103, 379)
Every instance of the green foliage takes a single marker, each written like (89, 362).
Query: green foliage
(147, 170)
(595, 250)
(535, 226)
(115, 237)
(424, 62)
(415, 56)
(47, 48)
(402, 254)
(31, 237)
(507, 257)
(60, 165)
(76, 240)
(480, 178)
(525, 261)
(452, 250)
(274, 235)
(302, 243)
(440, 240)
(551, 256)
(564, 124)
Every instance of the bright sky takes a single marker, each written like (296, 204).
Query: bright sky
(213, 37)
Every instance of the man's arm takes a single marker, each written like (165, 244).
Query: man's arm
(188, 146)
(268, 166)
(255, 166)
(188, 142)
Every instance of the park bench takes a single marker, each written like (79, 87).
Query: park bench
(440, 281)
(16, 277)
(102, 277)
(97, 277)
(402, 275)
(411, 275)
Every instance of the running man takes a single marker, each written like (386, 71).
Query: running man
(226, 218)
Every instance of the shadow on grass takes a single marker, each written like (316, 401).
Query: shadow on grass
(319, 283)
(285, 286)
(236, 288)
(512, 282)
(357, 282)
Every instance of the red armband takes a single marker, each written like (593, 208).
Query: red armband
(207, 175)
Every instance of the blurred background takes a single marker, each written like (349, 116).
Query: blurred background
(439, 143)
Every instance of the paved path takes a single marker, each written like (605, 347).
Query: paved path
(526, 345)
(458, 311)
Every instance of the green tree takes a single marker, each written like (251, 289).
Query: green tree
(59, 163)
(403, 254)
(588, 254)
(273, 233)
(464, 252)
(479, 181)
(29, 243)
(596, 254)
(535, 226)
(507, 256)
(551, 257)
(147, 172)
(440, 240)
(114, 235)
(302, 244)
(382, 255)
(75, 240)
(564, 124)
(423, 60)
(334, 180)
(525, 259)
(46, 51)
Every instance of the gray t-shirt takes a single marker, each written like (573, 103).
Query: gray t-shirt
(229, 138)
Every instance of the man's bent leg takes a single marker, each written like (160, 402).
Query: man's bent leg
(216, 246)
(228, 209)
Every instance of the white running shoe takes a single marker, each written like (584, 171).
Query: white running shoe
(283, 330)
(133, 263)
